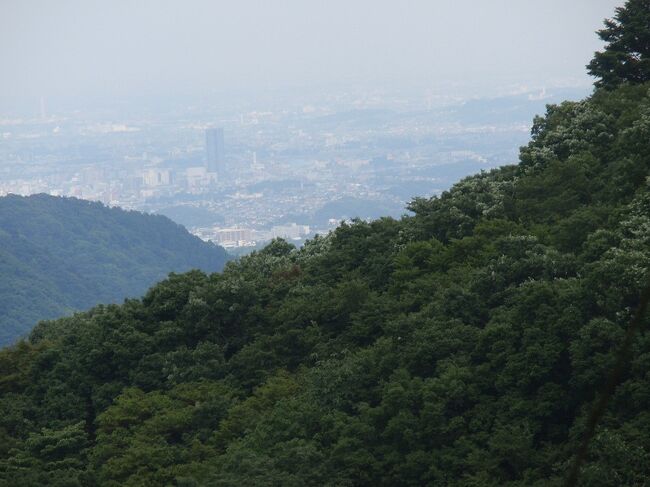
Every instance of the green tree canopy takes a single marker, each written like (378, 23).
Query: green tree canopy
(626, 57)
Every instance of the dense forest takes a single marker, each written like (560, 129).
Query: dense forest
(58, 255)
(464, 344)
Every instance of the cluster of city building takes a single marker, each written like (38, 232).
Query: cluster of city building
(249, 237)
(288, 170)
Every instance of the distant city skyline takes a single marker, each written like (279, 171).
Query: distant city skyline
(295, 167)
(329, 111)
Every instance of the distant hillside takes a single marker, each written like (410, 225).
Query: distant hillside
(58, 255)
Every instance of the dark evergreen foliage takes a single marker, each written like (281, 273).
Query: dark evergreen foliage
(626, 57)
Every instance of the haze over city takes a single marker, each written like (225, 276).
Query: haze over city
(326, 110)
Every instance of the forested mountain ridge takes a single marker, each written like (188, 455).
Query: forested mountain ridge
(58, 255)
(462, 345)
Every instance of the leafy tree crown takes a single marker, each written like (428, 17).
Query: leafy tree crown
(626, 56)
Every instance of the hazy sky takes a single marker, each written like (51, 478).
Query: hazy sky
(114, 47)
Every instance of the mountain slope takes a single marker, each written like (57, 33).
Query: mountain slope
(62, 254)
(463, 345)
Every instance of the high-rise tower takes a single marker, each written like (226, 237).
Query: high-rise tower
(214, 148)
